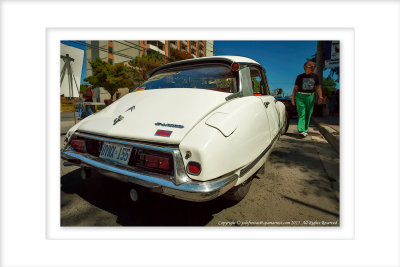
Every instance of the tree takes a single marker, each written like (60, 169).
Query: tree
(334, 71)
(110, 77)
(277, 91)
(177, 55)
(82, 88)
(328, 86)
(144, 65)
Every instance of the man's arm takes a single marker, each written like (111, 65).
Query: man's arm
(320, 98)
(294, 94)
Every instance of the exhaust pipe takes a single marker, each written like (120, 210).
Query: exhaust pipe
(85, 173)
(134, 195)
(71, 162)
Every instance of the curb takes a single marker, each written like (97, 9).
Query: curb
(331, 135)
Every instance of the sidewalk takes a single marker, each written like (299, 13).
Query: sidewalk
(330, 129)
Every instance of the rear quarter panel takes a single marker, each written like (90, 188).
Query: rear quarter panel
(219, 154)
(282, 113)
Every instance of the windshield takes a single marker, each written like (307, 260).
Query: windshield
(217, 78)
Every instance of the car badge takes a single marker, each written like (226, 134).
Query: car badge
(118, 119)
(131, 108)
(163, 133)
(169, 125)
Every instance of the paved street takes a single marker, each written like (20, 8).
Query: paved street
(300, 187)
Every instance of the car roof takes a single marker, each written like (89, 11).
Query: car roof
(226, 59)
(238, 59)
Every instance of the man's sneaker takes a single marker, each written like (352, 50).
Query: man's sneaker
(302, 134)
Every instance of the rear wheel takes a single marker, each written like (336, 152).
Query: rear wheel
(238, 192)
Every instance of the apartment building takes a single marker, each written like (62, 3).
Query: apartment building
(125, 50)
(195, 48)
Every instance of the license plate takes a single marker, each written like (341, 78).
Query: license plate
(116, 153)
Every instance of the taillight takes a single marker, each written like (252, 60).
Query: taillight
(157, 162)
(93, 147)
(78, 145)
(235, 66)
(194, 168)
(153, 160)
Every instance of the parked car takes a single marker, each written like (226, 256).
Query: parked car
(290, 109)
(197, 129)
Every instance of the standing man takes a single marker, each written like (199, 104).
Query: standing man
(303, 96)
(89, 98)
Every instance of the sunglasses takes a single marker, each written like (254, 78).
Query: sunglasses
(313, 67)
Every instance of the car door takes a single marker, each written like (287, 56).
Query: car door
(261, 90)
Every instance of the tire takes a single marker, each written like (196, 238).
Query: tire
(238, 192)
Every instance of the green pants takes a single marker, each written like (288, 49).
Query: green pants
(305, 105)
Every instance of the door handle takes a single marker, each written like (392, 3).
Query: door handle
(266, 104)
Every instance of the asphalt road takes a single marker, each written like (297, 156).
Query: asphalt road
(299, 187)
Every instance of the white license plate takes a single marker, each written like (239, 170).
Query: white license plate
(116, 153)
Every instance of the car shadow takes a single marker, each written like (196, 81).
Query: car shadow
(150, 210)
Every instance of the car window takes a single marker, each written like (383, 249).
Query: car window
(257, 81)
(212, 77)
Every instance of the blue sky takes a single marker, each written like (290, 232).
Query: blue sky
(282, 60)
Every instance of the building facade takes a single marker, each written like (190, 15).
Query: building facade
(195, 48)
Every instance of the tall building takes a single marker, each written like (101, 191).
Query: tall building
(112, 51)
(194, 48)
(125, 50)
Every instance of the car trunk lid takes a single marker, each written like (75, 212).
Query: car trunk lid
(160, 115)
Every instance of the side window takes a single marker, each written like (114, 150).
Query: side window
(257, 82)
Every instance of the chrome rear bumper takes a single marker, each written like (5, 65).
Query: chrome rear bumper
(191, 190)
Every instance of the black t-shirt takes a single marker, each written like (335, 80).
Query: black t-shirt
(307, 83)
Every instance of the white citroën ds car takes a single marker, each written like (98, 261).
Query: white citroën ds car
(195, 130)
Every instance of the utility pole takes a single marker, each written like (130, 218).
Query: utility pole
(320, 60)
(320, 69)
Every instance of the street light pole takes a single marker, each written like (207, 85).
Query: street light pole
(320, 60)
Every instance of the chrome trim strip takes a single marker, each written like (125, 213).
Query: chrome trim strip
(254, 162)
(191, 190)
(125, 142)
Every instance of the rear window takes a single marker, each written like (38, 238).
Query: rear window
(217, 78)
